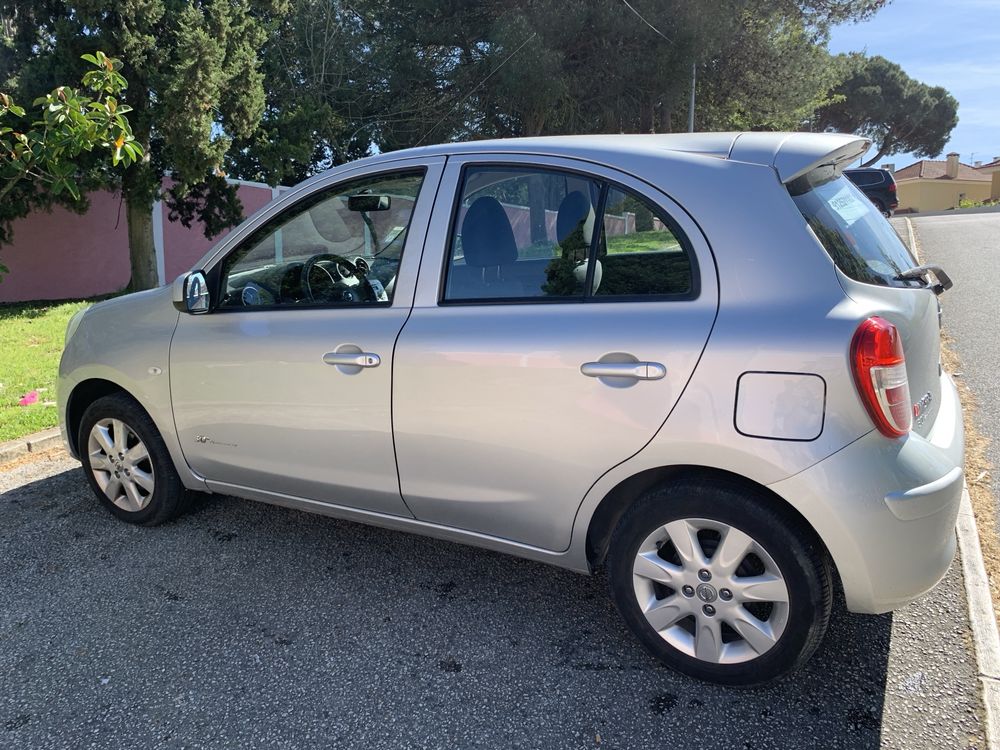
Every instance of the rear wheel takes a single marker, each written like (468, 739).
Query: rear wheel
(127, 463)
(718, 584)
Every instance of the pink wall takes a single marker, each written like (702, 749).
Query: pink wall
(63, 255)
(185, 247)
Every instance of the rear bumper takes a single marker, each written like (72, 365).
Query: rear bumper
(886, 509)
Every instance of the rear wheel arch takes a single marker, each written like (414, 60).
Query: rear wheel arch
(624, 495)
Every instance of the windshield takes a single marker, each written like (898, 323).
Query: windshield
(858, 238)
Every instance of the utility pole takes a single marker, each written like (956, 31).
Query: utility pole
(694, 79)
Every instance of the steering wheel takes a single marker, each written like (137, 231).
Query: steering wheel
(346, 293)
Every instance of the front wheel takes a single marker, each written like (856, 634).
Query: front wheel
(719, 583)
(126, 462)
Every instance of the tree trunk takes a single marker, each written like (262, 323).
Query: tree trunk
(141, 250)
(139, 188)
(646, 124)
(879, 154)
(666, 115)
(534, 123)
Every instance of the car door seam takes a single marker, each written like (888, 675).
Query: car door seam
(395, 343)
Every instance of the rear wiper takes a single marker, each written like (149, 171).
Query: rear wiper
(943, 281)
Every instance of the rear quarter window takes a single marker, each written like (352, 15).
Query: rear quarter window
(857, 237)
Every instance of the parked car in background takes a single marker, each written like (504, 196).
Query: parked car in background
(685, 359)
(879, 185)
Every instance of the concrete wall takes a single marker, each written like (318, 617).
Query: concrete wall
(938, 195)
(63, 255)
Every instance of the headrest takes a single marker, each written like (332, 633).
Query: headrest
(487, 237)
(574, 210)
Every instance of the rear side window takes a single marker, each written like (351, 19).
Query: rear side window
(859, 239)
(522, 233)
(640, 252)
(531, 233)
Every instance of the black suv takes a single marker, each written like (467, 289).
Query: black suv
(879, 185)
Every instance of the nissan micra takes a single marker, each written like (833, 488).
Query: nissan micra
(703, 363)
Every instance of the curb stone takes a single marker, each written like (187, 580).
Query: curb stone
(981, 617)
(35, 443)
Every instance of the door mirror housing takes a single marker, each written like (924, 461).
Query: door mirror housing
(190, 293)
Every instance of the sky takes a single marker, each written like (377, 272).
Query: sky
(950, 43)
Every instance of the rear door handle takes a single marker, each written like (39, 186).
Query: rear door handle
(352, 359)
(634, 370)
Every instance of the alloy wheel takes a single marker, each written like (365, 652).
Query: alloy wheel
(121, 464)
(710, 590)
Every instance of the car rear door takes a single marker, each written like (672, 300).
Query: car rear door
(517, 380)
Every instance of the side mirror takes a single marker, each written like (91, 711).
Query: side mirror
(190, 293)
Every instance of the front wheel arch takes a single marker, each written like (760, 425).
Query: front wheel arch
(82, 396)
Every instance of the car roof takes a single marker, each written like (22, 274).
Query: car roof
(790, 154)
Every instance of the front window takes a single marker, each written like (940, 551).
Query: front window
(339, 246)
(856, 236)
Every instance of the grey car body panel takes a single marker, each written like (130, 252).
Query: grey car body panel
(132, 335)
(256, 405)
(481, 388)
(772, 300)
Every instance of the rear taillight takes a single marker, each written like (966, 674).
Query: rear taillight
(880, 374)
(892, 187)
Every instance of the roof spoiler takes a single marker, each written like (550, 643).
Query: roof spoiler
(795, 154)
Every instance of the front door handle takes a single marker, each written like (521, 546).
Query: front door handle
(352, 359)
(634, 370)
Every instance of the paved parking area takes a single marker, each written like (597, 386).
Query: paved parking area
(243, 625)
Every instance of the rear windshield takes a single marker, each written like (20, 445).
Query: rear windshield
(858, 238)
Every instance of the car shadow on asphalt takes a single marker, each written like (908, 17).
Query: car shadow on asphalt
(239, 611)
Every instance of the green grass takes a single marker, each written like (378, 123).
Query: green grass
(31, 342)
(637, 242)
(642, 242)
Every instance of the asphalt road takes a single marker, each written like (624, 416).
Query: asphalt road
(243, 625)
(968, 248)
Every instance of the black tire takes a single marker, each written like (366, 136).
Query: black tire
(802, 561)
(168, 497)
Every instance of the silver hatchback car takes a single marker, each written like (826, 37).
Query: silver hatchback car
(702, 362)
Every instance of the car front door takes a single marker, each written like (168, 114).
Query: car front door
(284, 387)
(560, 311)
